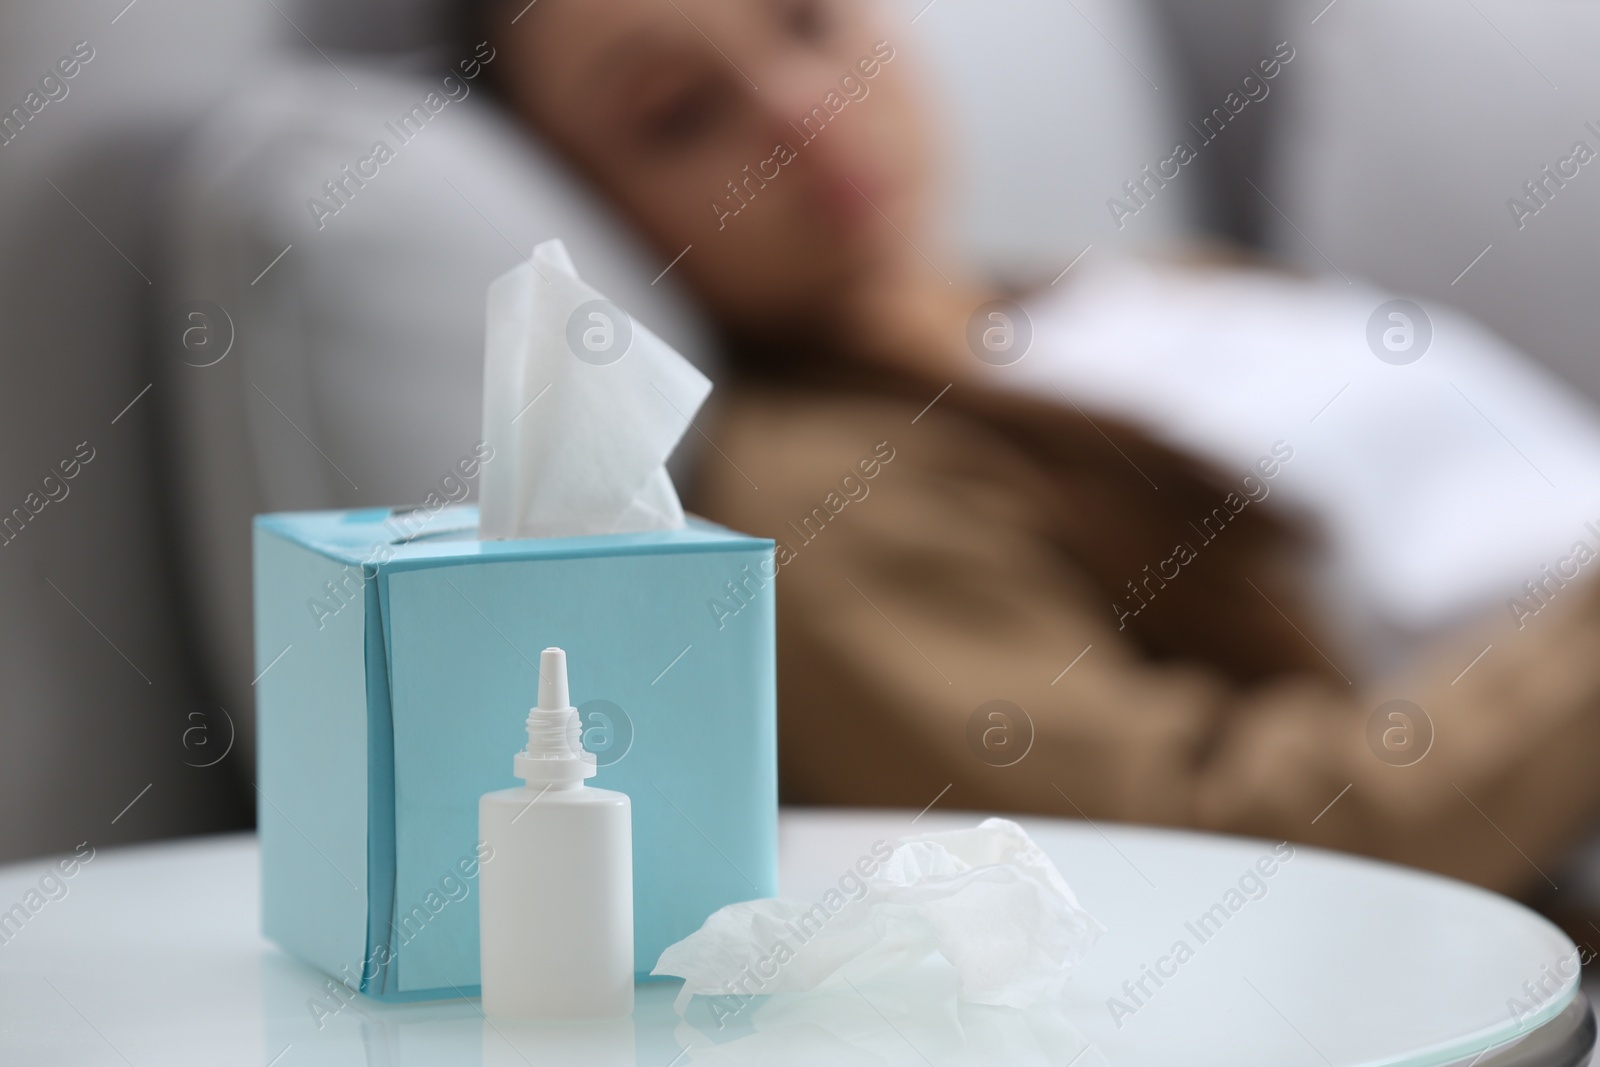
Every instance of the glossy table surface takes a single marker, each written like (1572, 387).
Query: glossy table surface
(152, 955)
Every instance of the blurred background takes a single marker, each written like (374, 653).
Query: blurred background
(175, 320)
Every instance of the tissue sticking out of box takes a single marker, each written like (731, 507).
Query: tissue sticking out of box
(988, 900)
(582, 405)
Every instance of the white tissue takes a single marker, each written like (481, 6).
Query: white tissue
(988, 900)
(843, 1026)
(579, 444)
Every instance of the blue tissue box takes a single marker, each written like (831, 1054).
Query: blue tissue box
(397, 662)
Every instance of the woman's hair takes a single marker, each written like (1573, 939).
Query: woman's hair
(1240, 606)
(472, 21)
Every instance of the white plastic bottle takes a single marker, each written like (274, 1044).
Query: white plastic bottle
(556, 900)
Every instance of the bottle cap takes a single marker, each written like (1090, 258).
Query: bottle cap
(555, 751)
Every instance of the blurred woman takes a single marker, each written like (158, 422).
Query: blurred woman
(994, 594)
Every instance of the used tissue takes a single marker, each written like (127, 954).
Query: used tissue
(987, 900)
(581, 406)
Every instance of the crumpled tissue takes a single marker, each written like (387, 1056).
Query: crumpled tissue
(987, 900)
(582, 405)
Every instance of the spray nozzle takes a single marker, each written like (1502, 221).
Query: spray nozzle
(555, 751)
(553, 680)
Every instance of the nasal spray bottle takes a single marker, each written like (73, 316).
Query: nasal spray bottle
(556, 901)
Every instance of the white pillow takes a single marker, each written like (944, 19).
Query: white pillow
(1413, 123)
(1047, 109)
(1429, 517)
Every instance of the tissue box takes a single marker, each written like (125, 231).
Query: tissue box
(397, 662)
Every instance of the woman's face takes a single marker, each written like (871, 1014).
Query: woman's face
(780, 141)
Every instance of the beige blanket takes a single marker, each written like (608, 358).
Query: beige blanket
(923, 575)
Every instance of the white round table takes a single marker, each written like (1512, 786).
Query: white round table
(153, 956)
